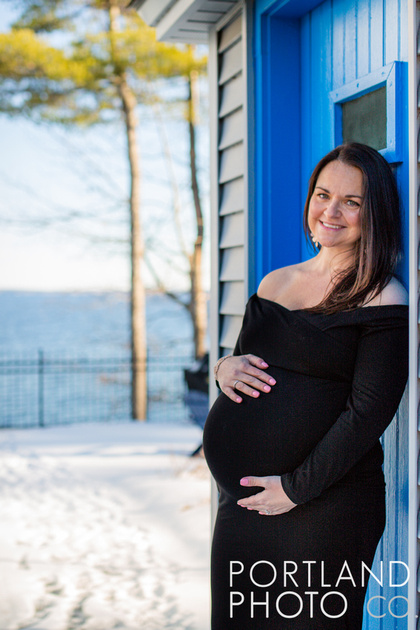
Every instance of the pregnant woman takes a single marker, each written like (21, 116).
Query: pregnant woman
(292, 441)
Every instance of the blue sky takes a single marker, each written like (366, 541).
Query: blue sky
(47, 174)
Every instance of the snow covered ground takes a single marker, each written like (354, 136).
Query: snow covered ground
(104, 526)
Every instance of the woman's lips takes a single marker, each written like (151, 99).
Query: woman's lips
(331, 226)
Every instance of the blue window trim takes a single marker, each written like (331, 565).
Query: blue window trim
(392, 77)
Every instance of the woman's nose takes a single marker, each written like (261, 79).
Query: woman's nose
(333, 208)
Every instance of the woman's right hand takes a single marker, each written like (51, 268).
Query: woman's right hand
(245, 374)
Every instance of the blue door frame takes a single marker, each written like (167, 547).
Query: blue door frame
(288, 76)
(277, 216)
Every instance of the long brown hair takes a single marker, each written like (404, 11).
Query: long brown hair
(377, 251)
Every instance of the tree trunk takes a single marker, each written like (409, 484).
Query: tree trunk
(198, 304)
(138, 297)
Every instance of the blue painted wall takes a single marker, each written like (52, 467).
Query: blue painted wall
(303, 50)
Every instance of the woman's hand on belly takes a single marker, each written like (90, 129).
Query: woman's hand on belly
(245, 374)
(271, 501)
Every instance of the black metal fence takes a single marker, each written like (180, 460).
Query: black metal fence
(48, 390)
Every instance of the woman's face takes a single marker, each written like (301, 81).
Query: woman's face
(334, 208)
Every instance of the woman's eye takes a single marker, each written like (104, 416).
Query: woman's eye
(352, 204)
(323, 195)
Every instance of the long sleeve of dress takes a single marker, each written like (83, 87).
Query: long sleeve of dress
(380, 376)
(235, 352)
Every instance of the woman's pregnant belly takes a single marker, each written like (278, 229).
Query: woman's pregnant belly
(272, 434)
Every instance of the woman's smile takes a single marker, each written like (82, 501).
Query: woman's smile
(330, 226)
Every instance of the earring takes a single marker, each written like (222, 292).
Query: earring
(314, 241)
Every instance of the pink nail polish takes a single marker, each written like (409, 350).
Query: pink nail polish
(264, 364)
(267, 388)
(244, 482)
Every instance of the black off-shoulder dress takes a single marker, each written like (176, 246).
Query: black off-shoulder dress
(340, 378)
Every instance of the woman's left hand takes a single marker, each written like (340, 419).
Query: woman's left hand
(271, 501)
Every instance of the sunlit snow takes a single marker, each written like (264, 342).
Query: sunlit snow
(104, 526)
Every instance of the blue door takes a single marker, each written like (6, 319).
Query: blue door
(319, 67)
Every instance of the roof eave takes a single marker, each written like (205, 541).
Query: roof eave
(188, 21)
(152, 11)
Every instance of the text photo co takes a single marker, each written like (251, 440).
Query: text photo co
(374, 605)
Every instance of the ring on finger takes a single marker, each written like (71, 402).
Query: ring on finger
(267, 512)
(235, 383)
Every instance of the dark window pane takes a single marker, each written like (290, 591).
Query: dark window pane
(364, 119)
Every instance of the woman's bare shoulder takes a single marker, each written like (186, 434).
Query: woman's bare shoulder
(282, 277)
(393, 293)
